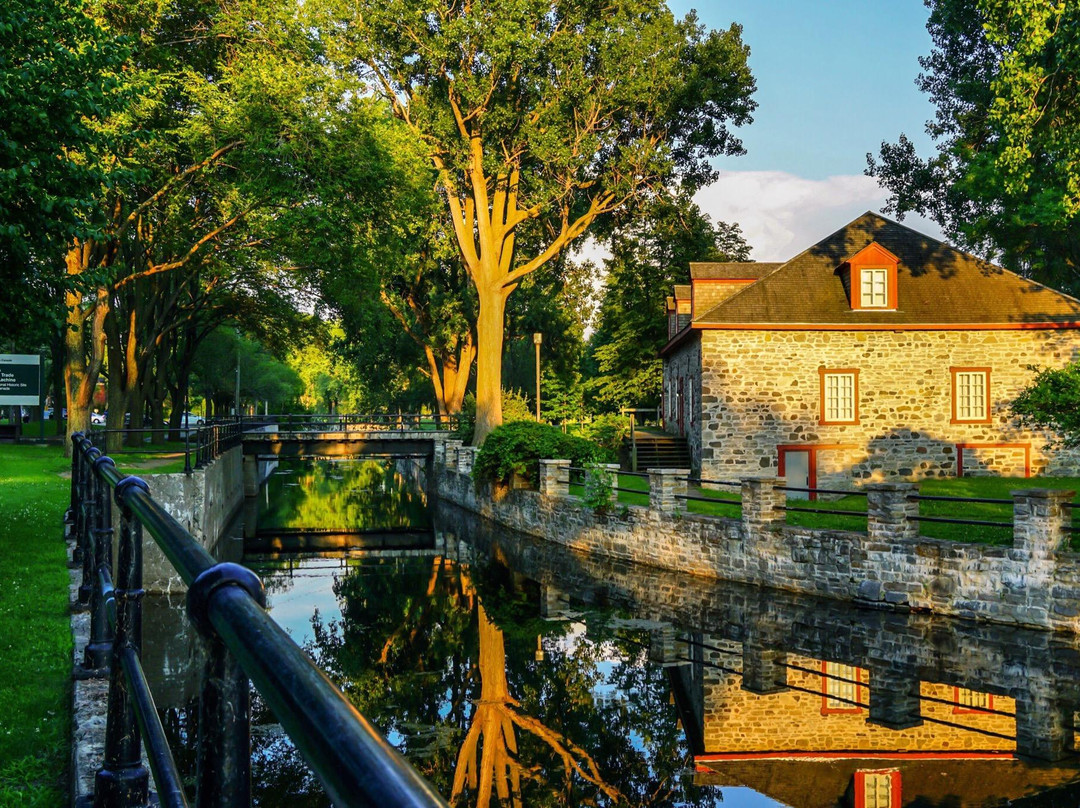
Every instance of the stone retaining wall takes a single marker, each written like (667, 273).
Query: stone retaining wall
(1031, 583)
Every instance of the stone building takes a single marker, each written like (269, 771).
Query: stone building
(877, 352)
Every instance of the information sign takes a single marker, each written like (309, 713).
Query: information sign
(20, 380)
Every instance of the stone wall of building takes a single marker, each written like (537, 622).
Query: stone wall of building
(761, 390)
(684, 365)
(1031, 583)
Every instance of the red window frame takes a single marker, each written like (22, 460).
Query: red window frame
(822, 373)
(953, 371)
(860, 786)
(825, 697)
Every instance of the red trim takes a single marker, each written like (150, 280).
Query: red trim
(822, 373)
(849, 710)
(724, 280)
(873, 256)
(958, 710)
(886, 326)
(720, 757)
(894, 787)
(989, 416)
(961, 446)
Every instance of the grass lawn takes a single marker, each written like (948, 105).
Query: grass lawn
(980, 487)
(35, 633)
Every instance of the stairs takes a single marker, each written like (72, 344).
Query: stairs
(658, 451)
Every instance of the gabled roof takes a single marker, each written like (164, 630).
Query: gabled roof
(682, 291)
(730, 270)
(937, 284)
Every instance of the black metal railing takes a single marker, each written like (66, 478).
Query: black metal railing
(225, 603)
(330, 422)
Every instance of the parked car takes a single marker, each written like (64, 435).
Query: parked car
(97, 418)
(190, 419)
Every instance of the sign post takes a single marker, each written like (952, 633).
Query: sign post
(20, 384)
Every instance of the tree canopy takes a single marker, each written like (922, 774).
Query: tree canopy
(540, 116)
(1005, 181)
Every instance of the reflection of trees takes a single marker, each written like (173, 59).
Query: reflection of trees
(458, 687)
(368, 494)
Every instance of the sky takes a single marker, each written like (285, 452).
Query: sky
(835, 78)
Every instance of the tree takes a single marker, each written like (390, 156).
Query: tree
(650, 253)
(542, 117)
(1005, 181)
(1052, 401)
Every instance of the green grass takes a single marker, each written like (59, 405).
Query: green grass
(35, 634)
(980, 487)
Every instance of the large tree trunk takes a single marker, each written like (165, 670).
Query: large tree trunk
(451, 380)
(83, 353)
(489, 344)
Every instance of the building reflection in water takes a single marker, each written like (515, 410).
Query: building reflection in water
(514, 672)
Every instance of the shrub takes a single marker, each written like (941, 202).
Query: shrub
(517, 448)
(608, 431)
(599, 485)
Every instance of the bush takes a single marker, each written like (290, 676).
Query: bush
(608, 431)
(515, 408)
(517, 447)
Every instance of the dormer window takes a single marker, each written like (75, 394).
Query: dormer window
(874, 288)
(870, 278)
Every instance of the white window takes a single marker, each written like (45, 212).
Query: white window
(839, 392)
(874, 288)
(877, 789)
(970, 391)
(841, 690)
(971, 700)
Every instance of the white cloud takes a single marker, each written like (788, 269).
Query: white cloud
(781, 214)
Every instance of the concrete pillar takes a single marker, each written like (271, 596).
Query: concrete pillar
(763, 662)
(466, 456)
(555, 478)
(890, 511)
(250, 467)
(451, 454)
(894, 698)
(611, 469)
(552, 602)
(1040, 519)
(665, 488)
(762, 503)
(439, 452)
(1044, 724)
(665, 648)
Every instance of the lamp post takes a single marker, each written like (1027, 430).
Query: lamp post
(537, 337)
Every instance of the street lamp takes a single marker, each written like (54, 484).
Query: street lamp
(537, 337)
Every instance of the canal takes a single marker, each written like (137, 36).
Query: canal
(513, 672)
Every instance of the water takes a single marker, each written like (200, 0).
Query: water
(512, 672)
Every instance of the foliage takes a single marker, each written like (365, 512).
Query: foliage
(542, 117)
(515, 408)
(330, 381)
(608, 431)
(563, 399)
(598, 488)
(1005, 181)
(263, 377)
(35, 630)
(515, 448)
(650, 253)
(1052, 401)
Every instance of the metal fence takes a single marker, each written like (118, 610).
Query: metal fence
(225, 603)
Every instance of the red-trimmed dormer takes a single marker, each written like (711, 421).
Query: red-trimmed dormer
(870, 279)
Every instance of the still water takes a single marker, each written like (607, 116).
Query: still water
(512, 672)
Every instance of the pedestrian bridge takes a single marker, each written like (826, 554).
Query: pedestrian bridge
(310, 444)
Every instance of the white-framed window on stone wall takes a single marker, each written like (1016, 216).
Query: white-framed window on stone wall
(970, 395)
(874, 288)
(839, 395)
(877, 789)
(841, 688)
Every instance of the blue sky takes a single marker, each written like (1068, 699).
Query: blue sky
(835, 78)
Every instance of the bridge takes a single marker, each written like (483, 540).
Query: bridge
(348, 443)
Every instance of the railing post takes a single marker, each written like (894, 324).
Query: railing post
(224, 745)
(452, 447)
(77, 494)
(890, 511)
(555, 478)
(86, 522)
(99, 649)
(123, 781)
(762, 503)
(69, 514)
(466, 458)
(665, 488)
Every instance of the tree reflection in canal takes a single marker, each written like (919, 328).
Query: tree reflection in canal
(495, 705)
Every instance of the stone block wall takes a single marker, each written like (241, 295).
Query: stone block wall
(1032, 583)
(761, 389)
(685, 365)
